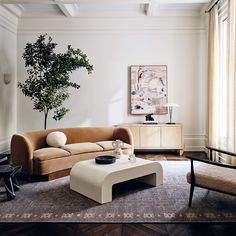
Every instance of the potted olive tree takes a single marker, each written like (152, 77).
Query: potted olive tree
(49, 75)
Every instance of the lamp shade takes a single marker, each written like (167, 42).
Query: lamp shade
(170, 108)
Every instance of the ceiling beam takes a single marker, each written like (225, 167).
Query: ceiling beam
(38, 1)
(76, 1)
(181, 1)
(15, 9)
(116, 1)
(67, 9)
(151, 8)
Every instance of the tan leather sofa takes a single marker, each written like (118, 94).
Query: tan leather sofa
(31, 151)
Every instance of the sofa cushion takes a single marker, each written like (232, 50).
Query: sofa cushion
(107, 145)
(56, 139)
(77, 148)
(49, 153)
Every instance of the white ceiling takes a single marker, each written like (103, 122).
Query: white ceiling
(103, 8)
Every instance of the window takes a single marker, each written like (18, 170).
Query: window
(222, 83)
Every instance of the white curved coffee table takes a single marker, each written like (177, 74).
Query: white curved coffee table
(95, 181)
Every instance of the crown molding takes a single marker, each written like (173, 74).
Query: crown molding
(195, 142)
(15, 9)
(8, 20)
(111, 24)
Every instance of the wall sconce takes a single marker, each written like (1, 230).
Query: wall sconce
(7, 78)
(170, 107)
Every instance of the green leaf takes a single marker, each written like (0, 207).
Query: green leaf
(49, 74)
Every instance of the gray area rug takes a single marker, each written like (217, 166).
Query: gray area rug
(53, 201)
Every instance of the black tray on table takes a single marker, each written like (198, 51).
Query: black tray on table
(105, 159)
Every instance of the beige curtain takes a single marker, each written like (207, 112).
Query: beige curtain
(213, 73)
(232, 76)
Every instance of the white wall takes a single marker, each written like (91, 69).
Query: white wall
(112, 45)
(8, 65)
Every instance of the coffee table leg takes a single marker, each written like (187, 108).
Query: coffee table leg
(9, 188)
(151, 179)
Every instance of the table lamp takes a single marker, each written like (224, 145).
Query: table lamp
(170, 107)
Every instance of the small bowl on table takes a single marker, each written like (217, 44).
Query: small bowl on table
(105, 160)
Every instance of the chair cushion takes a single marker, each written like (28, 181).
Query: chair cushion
(107, 145)
(215, 177)
(77, 148)
(49, 153)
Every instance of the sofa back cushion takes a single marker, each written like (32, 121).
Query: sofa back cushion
(74, 135)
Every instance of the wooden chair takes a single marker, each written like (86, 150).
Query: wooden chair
(212, 175)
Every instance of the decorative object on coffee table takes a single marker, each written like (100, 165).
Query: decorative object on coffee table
(8, 173)
(170, 107)
(105, 159)
(132, 158)
(118, 145)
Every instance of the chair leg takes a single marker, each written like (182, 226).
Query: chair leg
(15, 183)
(9, 188)
(191, 195)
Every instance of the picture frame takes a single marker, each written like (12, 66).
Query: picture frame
(148, 85)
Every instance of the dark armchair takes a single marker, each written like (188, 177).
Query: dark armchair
(212, 175)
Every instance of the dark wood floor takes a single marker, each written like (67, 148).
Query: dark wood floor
(69, 229)
(76, 229)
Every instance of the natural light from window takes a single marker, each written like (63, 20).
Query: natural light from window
(222, 82)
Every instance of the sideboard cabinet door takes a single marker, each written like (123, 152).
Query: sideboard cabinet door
(171, 137)
(136, 135)
(157, 137)
(150, 137)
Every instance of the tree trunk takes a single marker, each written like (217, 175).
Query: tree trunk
(45, 119)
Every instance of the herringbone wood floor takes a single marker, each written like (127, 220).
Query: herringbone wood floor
(73, 229)
(69, 229)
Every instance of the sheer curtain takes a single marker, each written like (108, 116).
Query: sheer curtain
(213, 73)
(232, 76)
(222, 78)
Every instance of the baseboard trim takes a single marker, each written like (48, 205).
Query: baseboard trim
(195, 142)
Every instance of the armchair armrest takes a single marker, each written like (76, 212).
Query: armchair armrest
(219, 150)
(200, 159)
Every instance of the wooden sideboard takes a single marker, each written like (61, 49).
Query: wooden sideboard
(157, 137)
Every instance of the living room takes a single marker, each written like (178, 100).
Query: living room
(116, 36)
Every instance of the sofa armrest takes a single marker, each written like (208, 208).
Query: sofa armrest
(124, 134)
(22, 153)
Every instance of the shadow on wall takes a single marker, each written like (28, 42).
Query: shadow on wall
(100, 101)
(7, 97)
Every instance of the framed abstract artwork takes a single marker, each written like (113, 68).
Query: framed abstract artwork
(148, 89)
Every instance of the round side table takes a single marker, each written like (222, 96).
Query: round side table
(8, 173)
